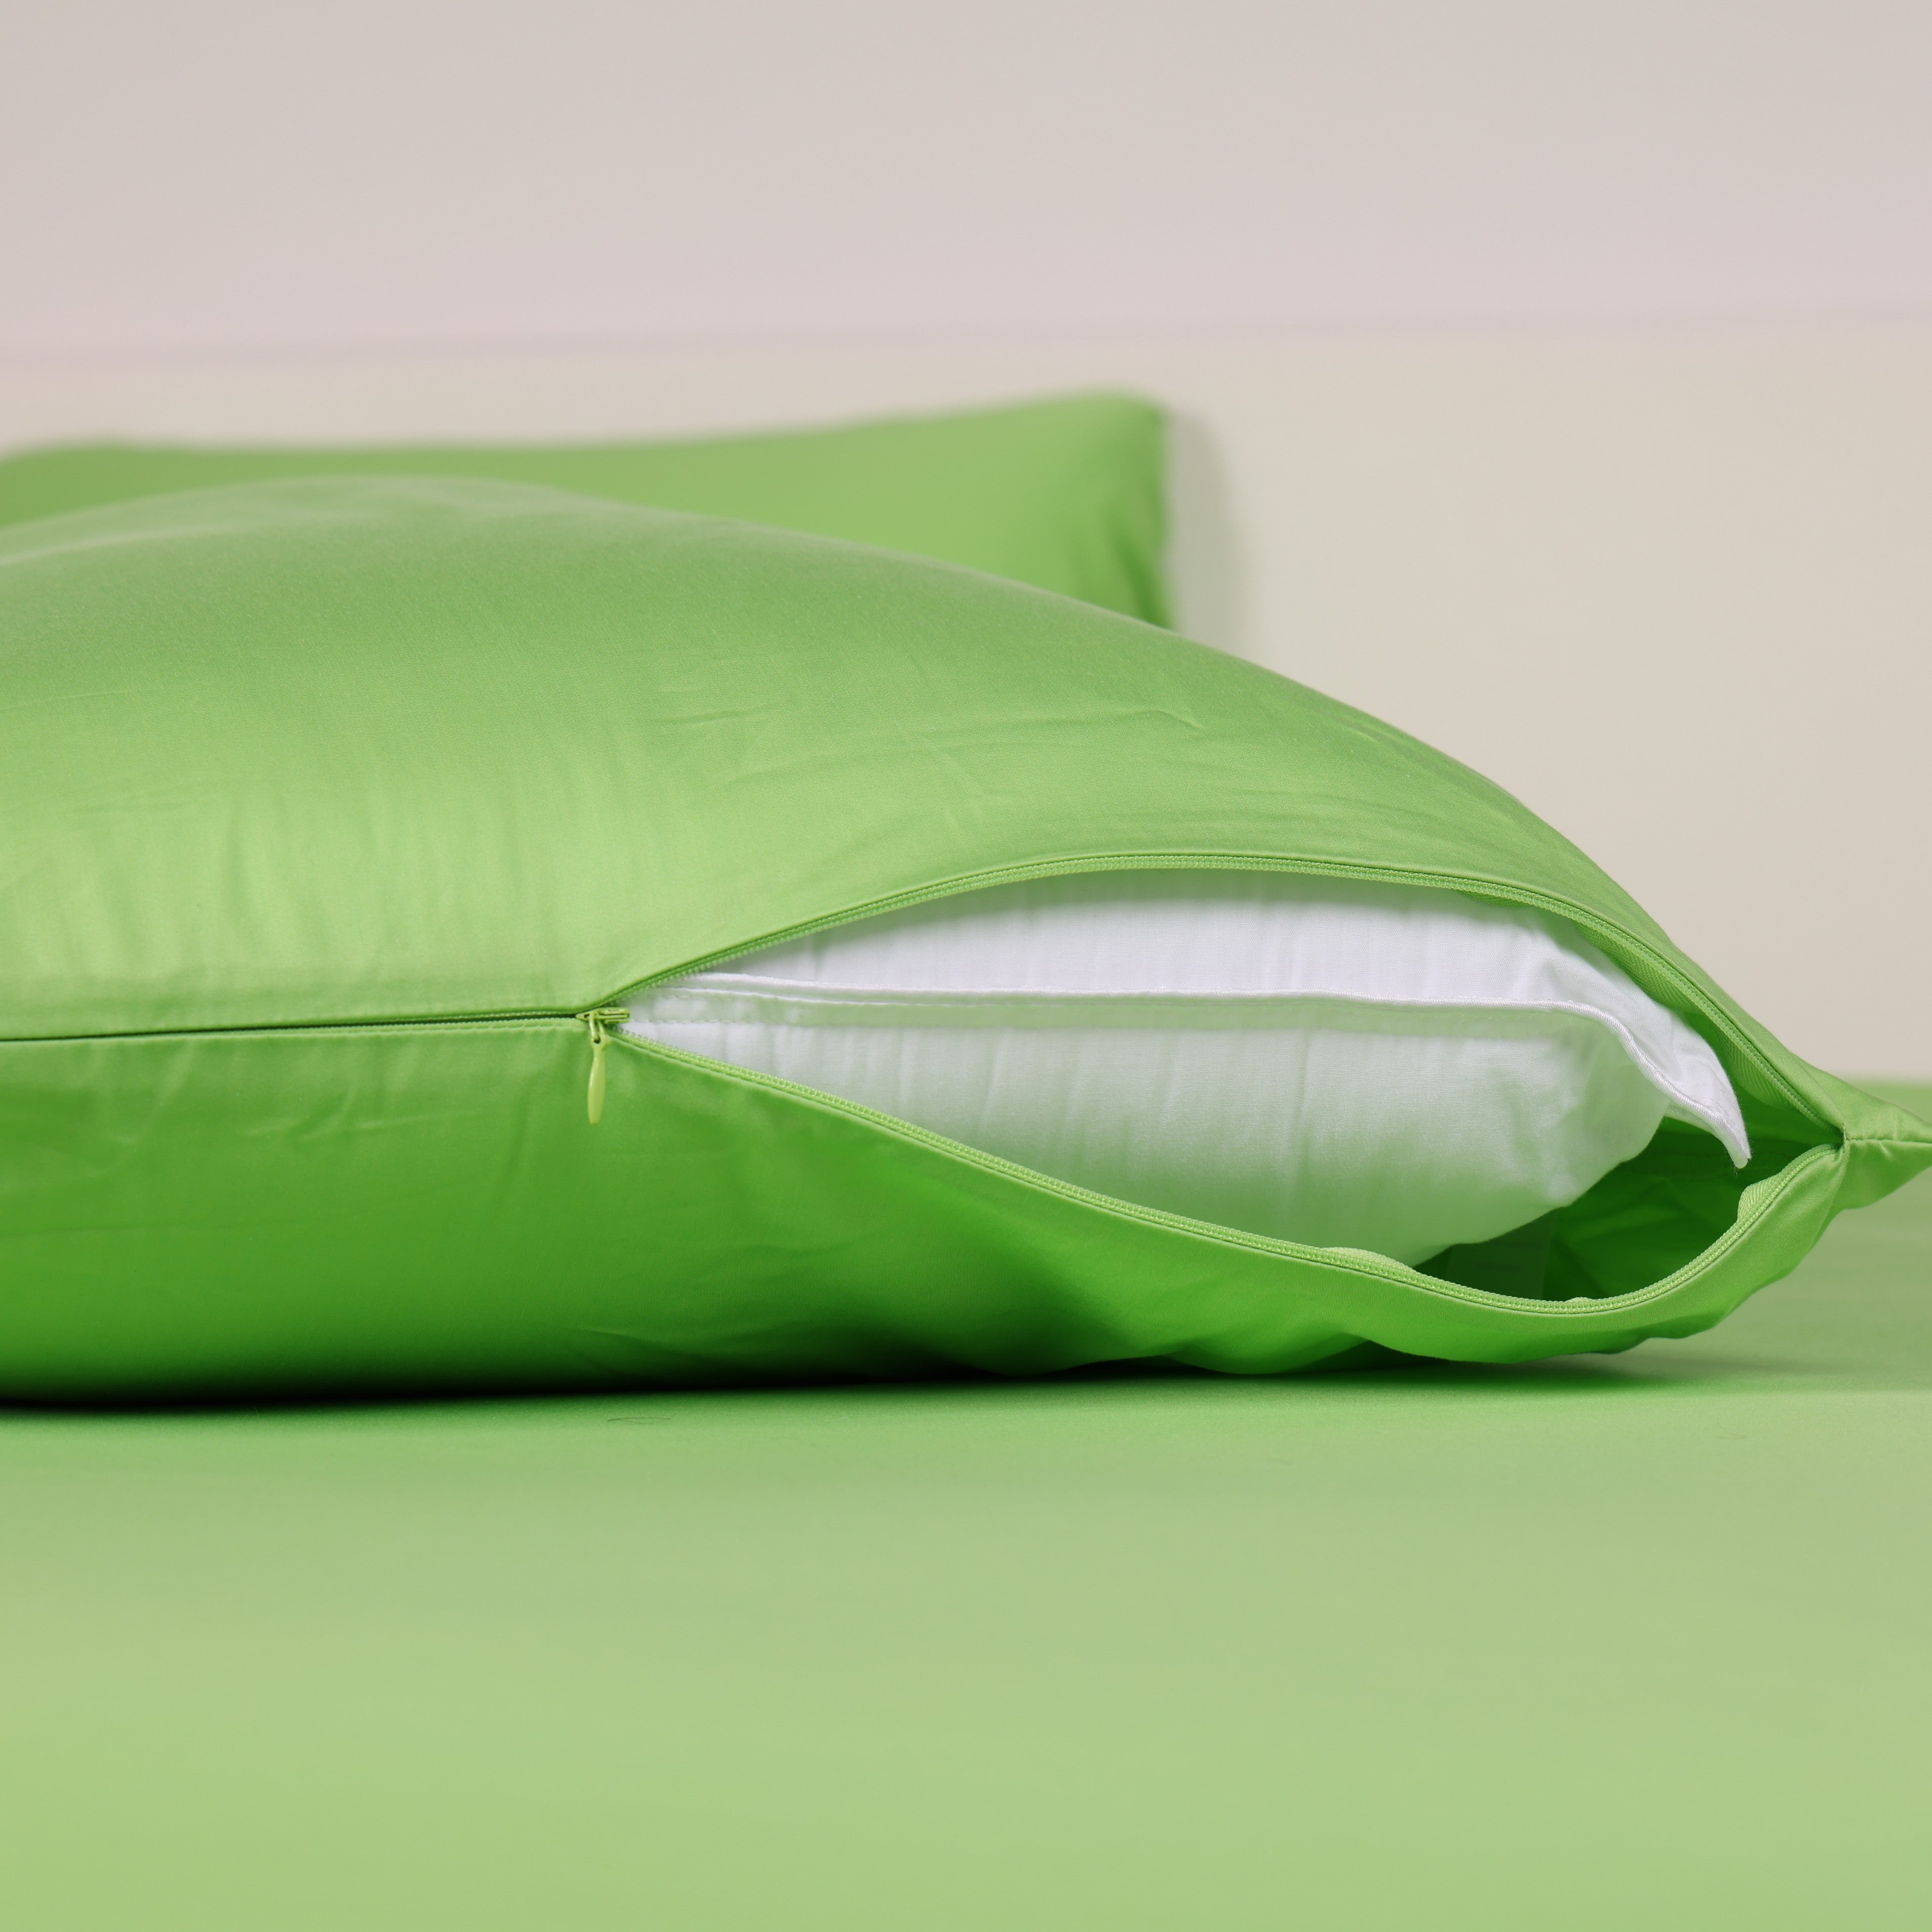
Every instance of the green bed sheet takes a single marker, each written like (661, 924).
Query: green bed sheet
(1601, 1641)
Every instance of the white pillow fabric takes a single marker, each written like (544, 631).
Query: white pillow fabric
(1348, 1065)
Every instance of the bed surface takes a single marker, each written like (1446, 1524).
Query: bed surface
(1602, 1642)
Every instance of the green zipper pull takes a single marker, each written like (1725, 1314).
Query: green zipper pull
(598, 1019)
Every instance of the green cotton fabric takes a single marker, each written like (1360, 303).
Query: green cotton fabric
(336, 809)
(1067, 494)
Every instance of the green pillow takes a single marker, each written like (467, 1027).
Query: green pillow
(339, 812)
(1067, 494)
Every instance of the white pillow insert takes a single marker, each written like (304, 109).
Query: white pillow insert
(1393, 1068)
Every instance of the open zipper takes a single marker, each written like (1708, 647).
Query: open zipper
(598, 1021)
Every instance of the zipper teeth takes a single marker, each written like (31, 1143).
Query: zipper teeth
(305, 1026)
(1353, 1261)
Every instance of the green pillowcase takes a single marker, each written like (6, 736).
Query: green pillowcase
(339, 812)
(1067, 495)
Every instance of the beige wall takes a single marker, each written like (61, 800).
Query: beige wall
(208, 174)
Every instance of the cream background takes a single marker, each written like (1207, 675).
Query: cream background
(213, 174)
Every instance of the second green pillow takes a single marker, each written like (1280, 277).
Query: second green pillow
(1065, 495)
